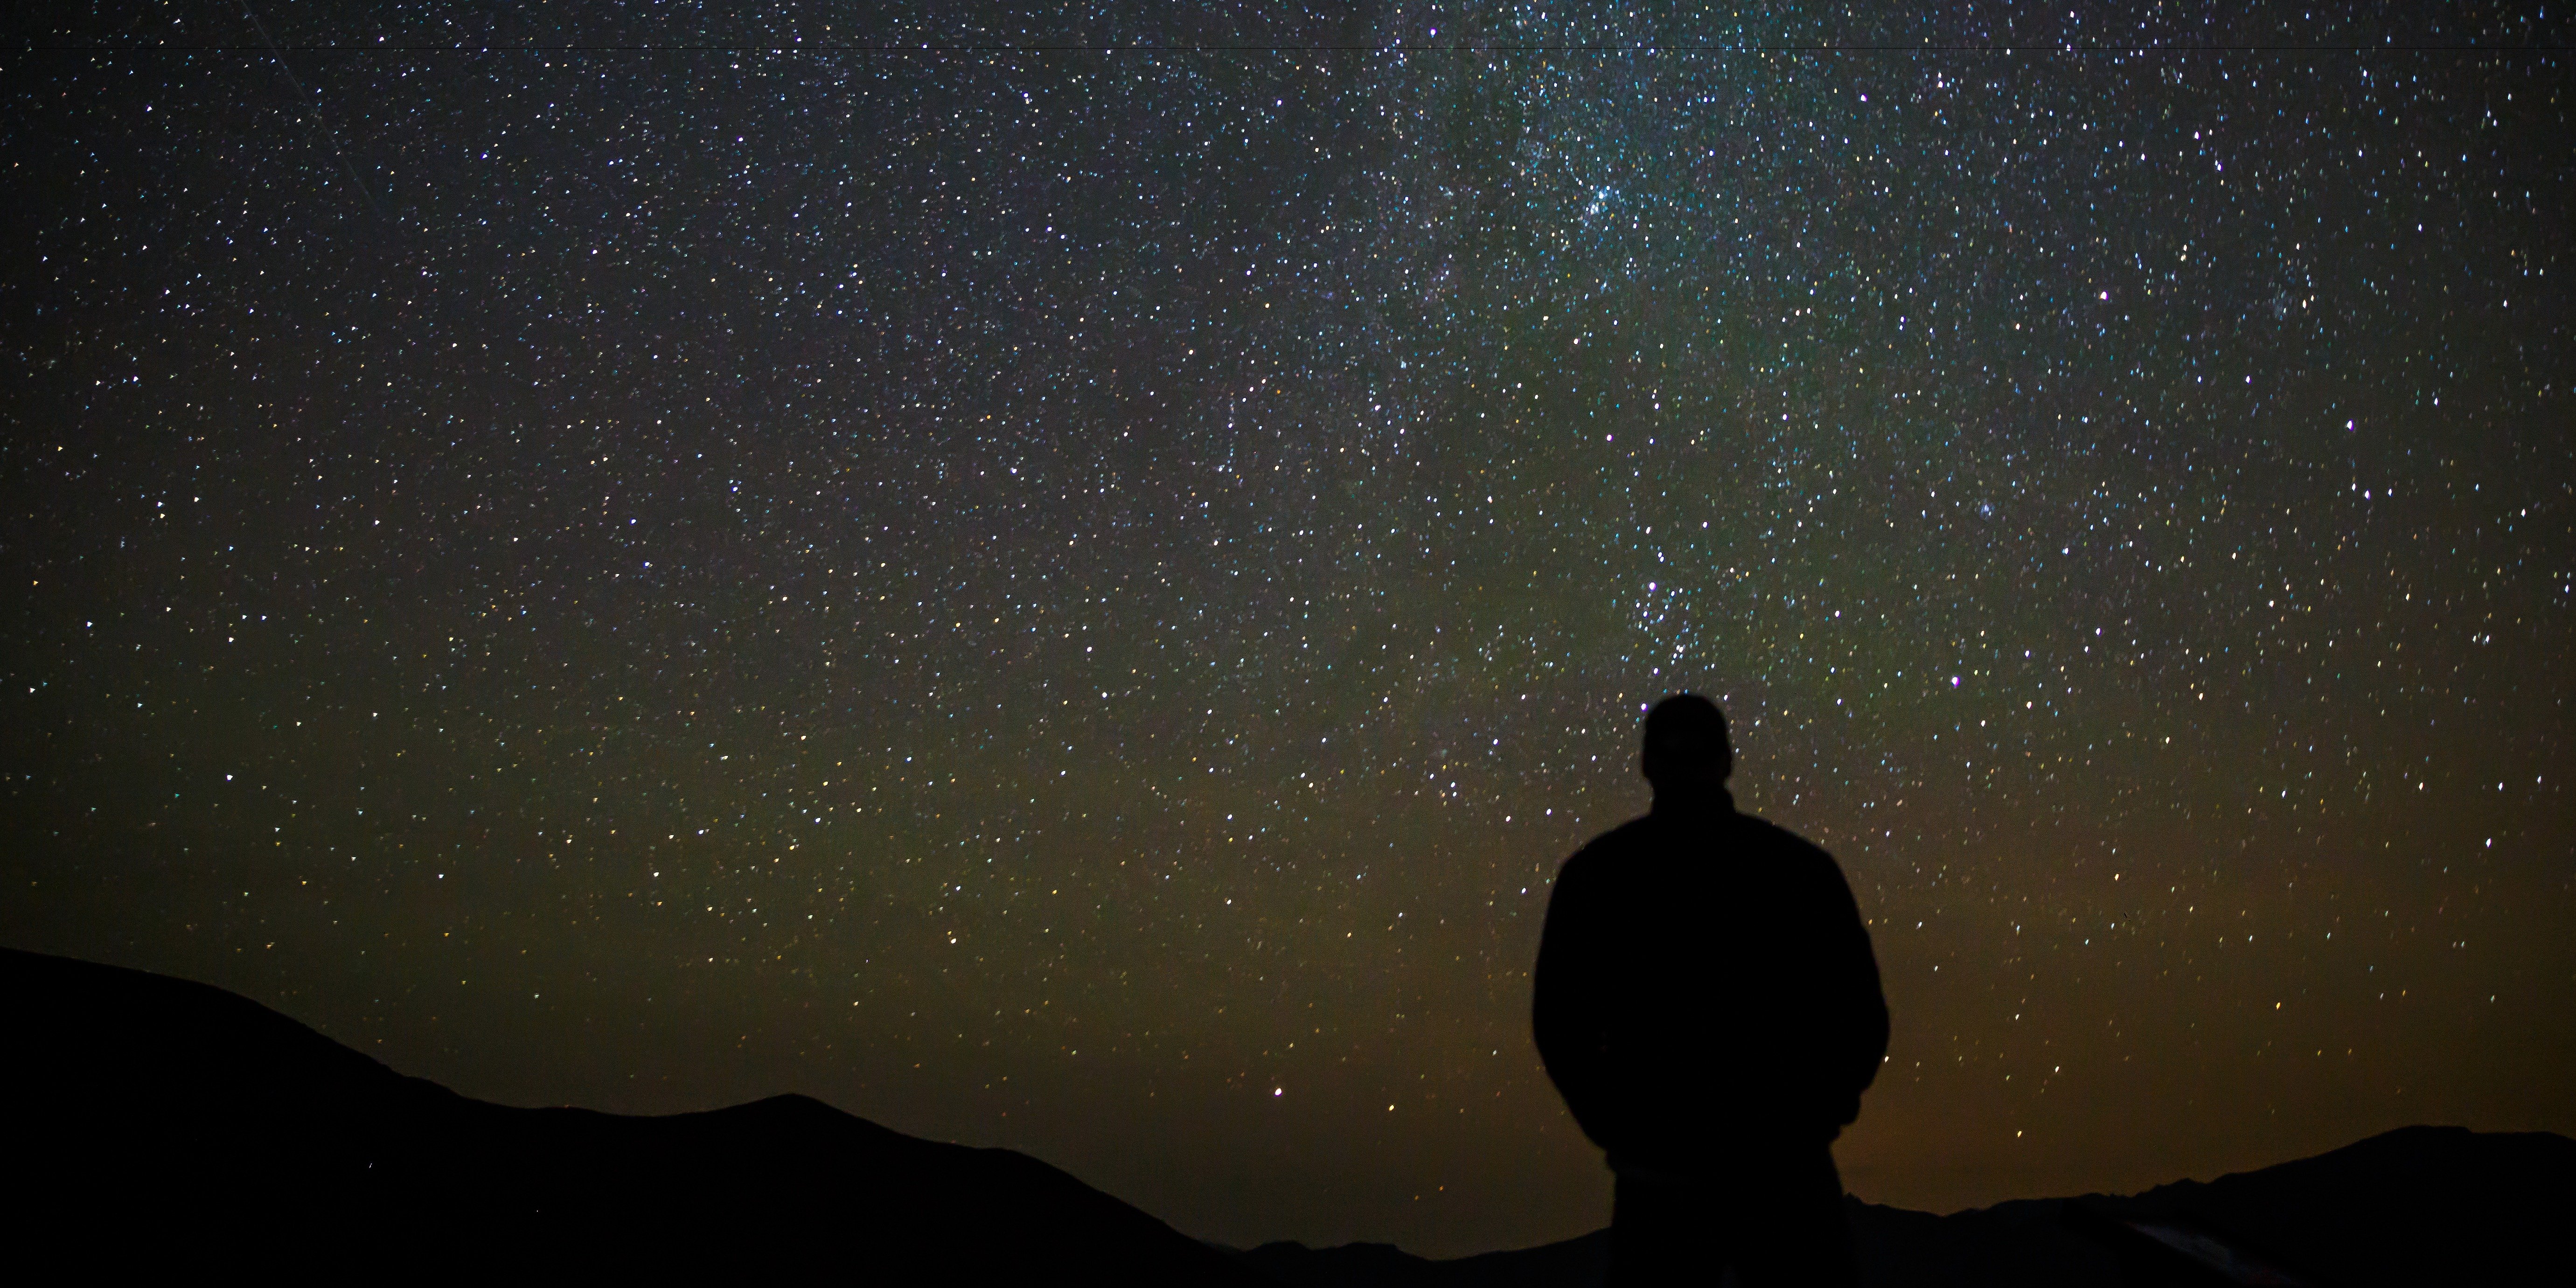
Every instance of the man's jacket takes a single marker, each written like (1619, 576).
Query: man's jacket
(1705, 986)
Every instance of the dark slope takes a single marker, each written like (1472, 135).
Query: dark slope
(2414, 1206)
(156, 1121)
(1577, 1261)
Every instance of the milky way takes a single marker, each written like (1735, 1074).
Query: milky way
(1067, 595)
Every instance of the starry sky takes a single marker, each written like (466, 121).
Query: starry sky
(1068, 583)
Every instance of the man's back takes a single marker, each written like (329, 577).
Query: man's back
(1704, 985)
(1708, 1005)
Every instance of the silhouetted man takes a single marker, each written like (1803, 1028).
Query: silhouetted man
(1708, 1005)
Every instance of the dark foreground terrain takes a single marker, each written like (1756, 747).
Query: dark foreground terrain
(159, 1123)
(2423, 1205)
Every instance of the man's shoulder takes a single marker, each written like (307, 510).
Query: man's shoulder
(1624, 839)
(1604, 857)
(1649, 836)
(1800, 861)
(1755, 830)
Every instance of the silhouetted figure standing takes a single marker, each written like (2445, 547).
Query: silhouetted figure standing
(1708, 1005)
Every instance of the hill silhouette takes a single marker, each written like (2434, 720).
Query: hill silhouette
(2413, 1206)
(161, 1123)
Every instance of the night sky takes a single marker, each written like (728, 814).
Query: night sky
(1075, 597)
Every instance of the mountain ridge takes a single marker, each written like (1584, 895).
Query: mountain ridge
(166, 1117)
(165, 1121)
(2412, 1205)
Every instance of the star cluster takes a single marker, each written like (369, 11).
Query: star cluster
(1070, 588)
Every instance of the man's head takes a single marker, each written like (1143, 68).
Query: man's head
(1686, 745)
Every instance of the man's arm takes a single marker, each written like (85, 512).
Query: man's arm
(1853, 993)
(1566, 1003)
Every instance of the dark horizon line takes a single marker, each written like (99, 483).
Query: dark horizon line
(989, 48)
